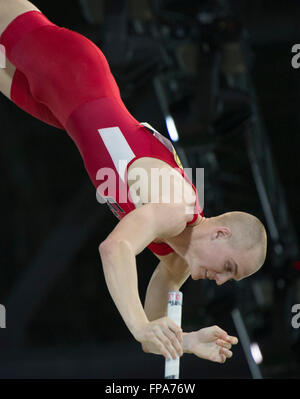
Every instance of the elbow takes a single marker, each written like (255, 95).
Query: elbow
(110, 247)
(106, 248)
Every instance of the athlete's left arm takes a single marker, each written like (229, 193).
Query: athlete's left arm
(170, 274)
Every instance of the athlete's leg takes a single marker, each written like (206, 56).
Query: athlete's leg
(6, 78)
(10, 9)
(64, 69)
(14, 85)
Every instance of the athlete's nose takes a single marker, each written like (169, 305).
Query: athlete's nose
(220, 279)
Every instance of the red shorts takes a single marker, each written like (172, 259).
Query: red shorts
(54, 59)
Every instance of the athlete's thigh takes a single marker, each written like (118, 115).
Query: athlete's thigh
(6, 77)
(10, 9)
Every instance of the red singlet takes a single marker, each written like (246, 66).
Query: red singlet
(64, 79)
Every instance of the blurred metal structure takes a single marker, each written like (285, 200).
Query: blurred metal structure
(246, 344)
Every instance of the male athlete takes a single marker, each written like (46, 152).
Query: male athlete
(63, 79)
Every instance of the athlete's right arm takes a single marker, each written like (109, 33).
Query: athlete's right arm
(132, 234)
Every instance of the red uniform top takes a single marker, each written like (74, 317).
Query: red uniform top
(64, 79)
(127, 140)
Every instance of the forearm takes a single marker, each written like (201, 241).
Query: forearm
(156, 301)
(120, 273)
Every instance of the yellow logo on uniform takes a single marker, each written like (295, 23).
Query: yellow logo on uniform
(177, 159)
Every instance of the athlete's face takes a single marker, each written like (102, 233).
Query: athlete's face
(217, 260)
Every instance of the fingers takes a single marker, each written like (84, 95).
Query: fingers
(223, 344)
(223, 358)
(168, 337)
(226, 352)
(232, 340)
(161, 347)
(175, 328)
(175, 335)
(223, 355)
(176, 343)
(170, 342)
(219, 333)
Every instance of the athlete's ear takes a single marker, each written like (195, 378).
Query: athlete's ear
(221, 232)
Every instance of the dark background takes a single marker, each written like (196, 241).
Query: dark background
(61, 320)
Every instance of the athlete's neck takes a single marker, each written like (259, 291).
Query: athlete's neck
(184, 243)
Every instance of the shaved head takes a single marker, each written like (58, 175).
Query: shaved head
(248, 234)
(231, 246)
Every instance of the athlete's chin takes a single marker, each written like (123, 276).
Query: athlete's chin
(199, 274)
